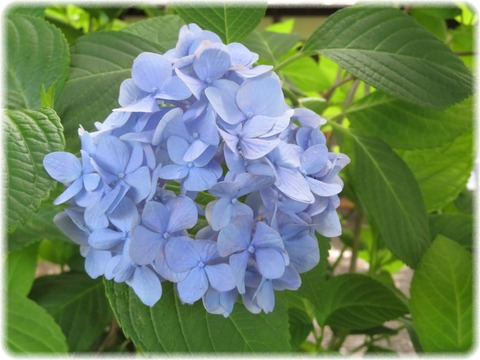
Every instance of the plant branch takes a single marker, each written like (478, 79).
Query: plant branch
(327, 96)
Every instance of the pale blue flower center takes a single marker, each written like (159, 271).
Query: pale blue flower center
(190, 165)
(195, 135)
(121, 175)
(251, 249)
(166, 235)
(201, 265)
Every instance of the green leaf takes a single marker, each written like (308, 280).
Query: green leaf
(446, 11)
(21, 265)
(30, 135)
(38, 226)
(305, 75)
(390, 195)
(442, 172)
(22, 9)
(100, 62)
(432, 22)
(30, 330)
(457, 227)
(386, 48)
(441, 298)
(161, 30)
(270, 45)
(354, 301)
(77, 303)
(231, 21)
(407, 126)
(37, 55)
(57, 251)
(300, 326)
(171, 326)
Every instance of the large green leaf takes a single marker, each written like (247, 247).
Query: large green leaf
(389, 50)
(455, 226)
(232, 21)
(442, 299)
(161, 30)
(407, 126)
(21, 266)
(30, 135)
(171, 326)
(77, 303)
(390, 195)
(38, 226)
(354, 301)
(270, 45)
(442, 172)
(37, 56)
(30, 329)
(100, 62)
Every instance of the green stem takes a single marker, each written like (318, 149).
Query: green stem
(290, 60)
(319, 340)
(340, 257)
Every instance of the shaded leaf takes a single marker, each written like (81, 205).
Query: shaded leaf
(79, 305)
(457, 227)
(21, 265)
(390, 195)
(232, 21)
(407, 126)
(30, 329)
(30, 135)
(300, 326)
(442, 172)
(441, 298)
(161, 30)
(37, 56)
(386, 48)
(170, 326)
(354, 301)
(270, 45)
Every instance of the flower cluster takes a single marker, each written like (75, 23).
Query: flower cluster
(201, 133)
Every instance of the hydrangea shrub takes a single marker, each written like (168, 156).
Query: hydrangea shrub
(201, 118)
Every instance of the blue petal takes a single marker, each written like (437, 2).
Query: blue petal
(155, 216)
(235, 236)
(220, 303)
(174, 89)
(290, 280)
(323, 189)
(222, 97)
(253, 72)
(238, 265)
(193, 287)
(240, 55)
(183, 214)
(125, 215)
(181, 255)
(136, 158)
(262, 96)
(140, 182)
(64, 222)
(307, 117)
(105, 239)
(194, 85)
(62, 166)
(314, 159)
(258, 126)
(293, 184)
(211, 64)
(328, 223)
(91, 181)
(70, 192)
(270, 262)
(166, 119)
(130, 93)
(165, 271)
(146, 104)
(221, 214)
(253, 149)
(96, 261)
(196, 149)
(265, 297)
(266, 237)
(220, 277)
(173, 172)
(199, 179)
(112, 155)
(145, 245)
(150, 71)
(177, 147)
(146, 285)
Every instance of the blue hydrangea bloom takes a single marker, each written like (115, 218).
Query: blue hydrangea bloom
(202, 135)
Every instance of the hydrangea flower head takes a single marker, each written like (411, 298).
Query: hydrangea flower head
(201, 136)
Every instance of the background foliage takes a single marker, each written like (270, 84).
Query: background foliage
(395, 85)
